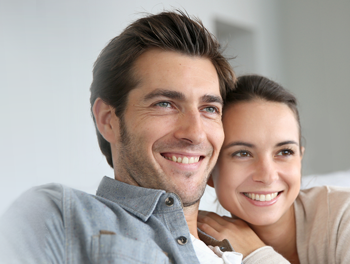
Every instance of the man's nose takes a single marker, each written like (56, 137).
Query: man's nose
(265, 170)
(190, 128)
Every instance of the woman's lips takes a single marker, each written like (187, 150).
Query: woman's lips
(262, 199)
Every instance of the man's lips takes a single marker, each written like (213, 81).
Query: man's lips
(184, 159)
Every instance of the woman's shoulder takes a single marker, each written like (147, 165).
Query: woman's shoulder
(331, 193)
(333, 201)
(323, 224)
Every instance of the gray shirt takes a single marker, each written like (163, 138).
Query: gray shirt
(121, 224)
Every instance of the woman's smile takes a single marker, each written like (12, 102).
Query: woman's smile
(260, 162)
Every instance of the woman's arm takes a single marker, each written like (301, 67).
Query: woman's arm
(242, 238)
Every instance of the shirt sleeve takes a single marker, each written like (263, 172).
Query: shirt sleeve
(265, 255)
(32, 229)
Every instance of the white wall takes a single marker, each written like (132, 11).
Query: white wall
(316, 41)
(47, 50)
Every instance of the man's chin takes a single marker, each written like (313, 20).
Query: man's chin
(188, 204)
(192, 198)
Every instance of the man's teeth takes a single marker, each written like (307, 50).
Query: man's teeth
(261, 197)
(184, 160)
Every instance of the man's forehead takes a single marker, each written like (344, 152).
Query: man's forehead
(170, 63)
(175, 75)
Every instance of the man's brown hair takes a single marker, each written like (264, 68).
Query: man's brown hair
(113, 75)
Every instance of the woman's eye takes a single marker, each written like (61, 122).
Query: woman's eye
(285, 152)
(163, 104)
(242, 154)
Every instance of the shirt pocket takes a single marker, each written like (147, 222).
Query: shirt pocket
(108, 247)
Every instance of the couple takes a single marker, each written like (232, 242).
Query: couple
(157, 101)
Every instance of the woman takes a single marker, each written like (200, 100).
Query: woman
(257, 179)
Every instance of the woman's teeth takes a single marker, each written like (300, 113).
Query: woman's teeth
(261, 197)
(184, 160)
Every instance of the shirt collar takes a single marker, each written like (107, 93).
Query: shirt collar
(137, 200)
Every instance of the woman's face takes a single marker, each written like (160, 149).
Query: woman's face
(257, 177)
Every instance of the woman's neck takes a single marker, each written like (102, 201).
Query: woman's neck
(281, 236)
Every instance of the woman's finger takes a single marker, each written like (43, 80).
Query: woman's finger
(208, 219)
(217, 218)
(210, 231)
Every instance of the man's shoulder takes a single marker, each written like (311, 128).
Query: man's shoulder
(47, 202)
(31, 222)
(49, 195)
(45, 217)
(36, 199)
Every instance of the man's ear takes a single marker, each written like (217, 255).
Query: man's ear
(106, 121)
(210, 181)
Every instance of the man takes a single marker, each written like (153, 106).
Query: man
(156, 98)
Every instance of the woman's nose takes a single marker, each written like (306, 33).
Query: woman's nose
(265, 171)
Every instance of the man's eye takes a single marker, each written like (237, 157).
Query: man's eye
(242, 154)
(163, 104)
(285, 152)
(211, 109)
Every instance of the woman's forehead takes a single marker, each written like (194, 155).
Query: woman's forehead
(260, 119)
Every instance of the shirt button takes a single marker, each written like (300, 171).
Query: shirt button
(169, 201)
(181, 240)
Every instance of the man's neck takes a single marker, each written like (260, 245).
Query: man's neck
(191, 213)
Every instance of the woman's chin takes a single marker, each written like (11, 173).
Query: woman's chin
(261, 220)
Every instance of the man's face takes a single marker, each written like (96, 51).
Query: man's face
(171, 133)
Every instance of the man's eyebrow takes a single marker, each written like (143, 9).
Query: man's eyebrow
(287, 143)
(239, 143)
(212, 99)
(166, 93)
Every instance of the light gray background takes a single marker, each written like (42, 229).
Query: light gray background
(47, 49)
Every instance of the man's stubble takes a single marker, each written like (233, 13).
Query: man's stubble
(139, 169)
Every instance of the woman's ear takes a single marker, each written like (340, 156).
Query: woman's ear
(210, 181)
(106, 121)
(302, 150)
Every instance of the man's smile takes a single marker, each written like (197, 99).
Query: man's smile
(185, 159)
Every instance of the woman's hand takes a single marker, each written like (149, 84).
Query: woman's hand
(242, 238)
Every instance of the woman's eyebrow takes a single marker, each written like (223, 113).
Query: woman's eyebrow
(239, 143)
(287, 143)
